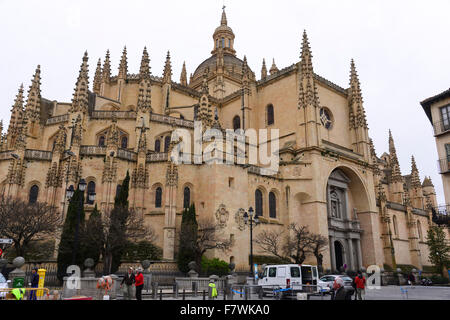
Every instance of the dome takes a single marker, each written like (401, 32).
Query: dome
(231, 63)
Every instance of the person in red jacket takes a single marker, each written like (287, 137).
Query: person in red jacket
(139, 284)
(360, 282)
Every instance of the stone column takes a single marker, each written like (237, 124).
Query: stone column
(359, 254)
(350, 253)
(333, 254)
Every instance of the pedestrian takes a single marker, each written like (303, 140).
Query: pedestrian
(129, 280)
(360, 281)
(212, 285)
(340, 293)
(34, 283)
(354, 288)
(139, 283)
(411, 279)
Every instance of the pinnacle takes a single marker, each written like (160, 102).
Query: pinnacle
(167, 76)
(224, 21)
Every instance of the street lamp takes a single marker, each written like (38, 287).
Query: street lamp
(248, 219)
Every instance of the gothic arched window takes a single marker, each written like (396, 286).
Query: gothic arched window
(270, 115)
(258, 203)
(272, 205)
(157, 145)
(34, 192)
(118, 189)
(90, 189)
(158, 197)
(394, 222)
(186, 197)
(124, 142)
(101, 141)
(236, 123)
(166, 143)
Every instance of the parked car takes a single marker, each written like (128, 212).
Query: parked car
(3, 285)
(329, 280)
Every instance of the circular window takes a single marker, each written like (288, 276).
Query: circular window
(325, 118)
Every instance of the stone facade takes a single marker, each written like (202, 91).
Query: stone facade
(330, 177)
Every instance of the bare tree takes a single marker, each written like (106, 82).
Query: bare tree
(294, 246)
(24, 222)
(112, 236)
(271, 242)
(209, 237)
(298, 243)
(317, 245)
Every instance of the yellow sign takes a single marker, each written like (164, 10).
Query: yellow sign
(41, 273)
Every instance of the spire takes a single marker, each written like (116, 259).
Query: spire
(415, 179)
(264, 70)
(396, 174)
(16, 112)
(306, 57)
(356, 100)
(144, 71)
(80, 98)
(167, 75)
(274, 68)
(183, 77)
(123, 67)
(98, 77)
(427, 182)
(33, 106)
(308, 90)
(145, 87)
(223, 21)
(106, 73)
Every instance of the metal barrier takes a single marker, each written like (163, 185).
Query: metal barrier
(26, 296)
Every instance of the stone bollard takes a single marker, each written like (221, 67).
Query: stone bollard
(88, 272)
(17, 276)
(154, 289)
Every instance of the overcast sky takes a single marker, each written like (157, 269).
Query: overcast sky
(401, 49)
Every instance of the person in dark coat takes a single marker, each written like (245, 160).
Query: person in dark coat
(129, 280)
(34, 283)
(340, 293)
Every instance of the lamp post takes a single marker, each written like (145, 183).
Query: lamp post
(69, 193)
(249, 220)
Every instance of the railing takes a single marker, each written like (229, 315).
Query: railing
(126, 155)
(5, 155)
(117, 114)
(157, 157)
(38, 155)
(92, 151)
(441, 127)
(441, 215)
(201, 283)
(444, 165)
(57, 119)
(172, 120)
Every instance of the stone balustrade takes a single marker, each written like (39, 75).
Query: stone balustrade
(110, 114)
(58, 119)
(157, 157)
(172, 120)
(126, 155)
(5, 155)
(92, 151)
(38, 155)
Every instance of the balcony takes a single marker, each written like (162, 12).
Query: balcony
(157, 157)
(92, 151)
(116, 114)
(58, 119)
(441, 215)
(171, 120)
(444, 165)
(126, 155)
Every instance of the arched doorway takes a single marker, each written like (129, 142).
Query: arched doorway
(346, 197)
(339, 255)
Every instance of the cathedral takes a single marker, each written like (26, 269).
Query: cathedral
(329, 177)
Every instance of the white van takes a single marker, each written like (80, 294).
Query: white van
(290, 276)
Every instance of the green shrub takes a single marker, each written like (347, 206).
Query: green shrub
(143, 250)
(387, 267)
(406, 268)
(215, 266)
(437, 279)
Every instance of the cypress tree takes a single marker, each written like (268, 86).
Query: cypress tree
(93, 241)
(188, 236)
(67, 244)
(119, 216)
